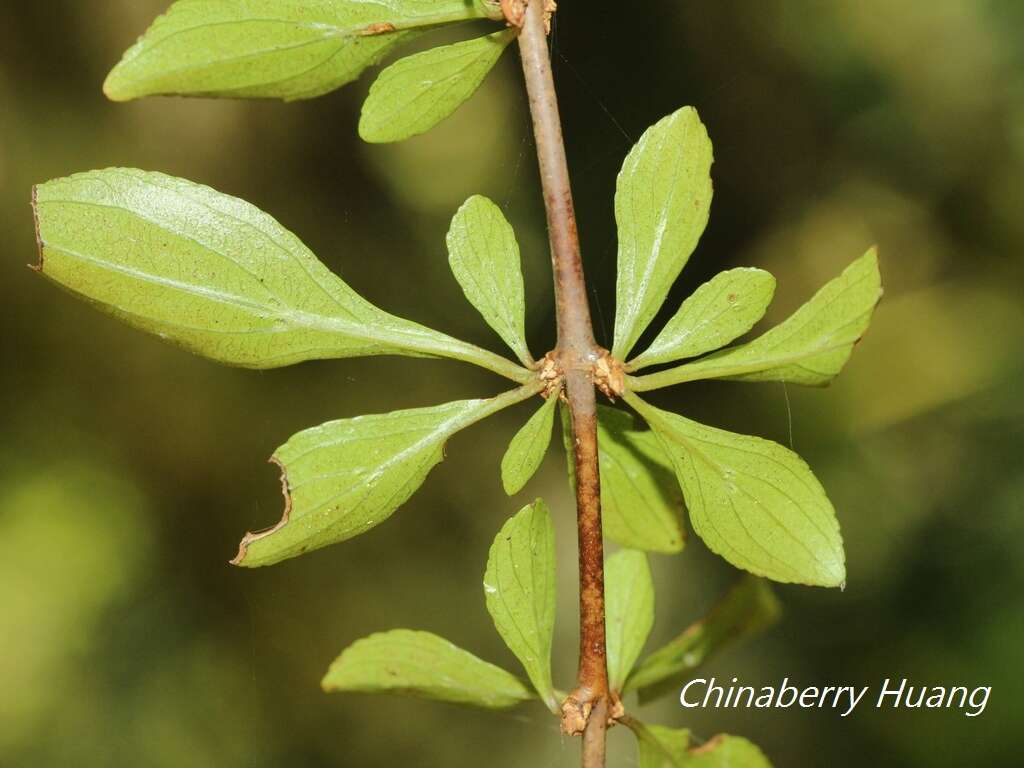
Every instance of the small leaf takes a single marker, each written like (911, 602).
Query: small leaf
(416, 93)
(344, 477)
(422, 664)
(745, 610)
(484, 256)
(519, 586)
(215, 275)
(659, 746)
(724, 751)
(629, 612)
(661, 207)
(640, 497)
(752, 501)
(526, 451)
(811, 347)
(662, 747)
(720, 311)
(282, 49)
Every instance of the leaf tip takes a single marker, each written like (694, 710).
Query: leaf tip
(115, 88)
(243, 547)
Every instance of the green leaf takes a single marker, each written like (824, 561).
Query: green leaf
(661, 206)
(422, 664)
(484, 257)
(519, 586)
(724, 751)
(721, 310)
(344, 477)
(752, 501)
(629, 612)
(526, 451)
(747, 609)
(640, 497)
(660, 747)
(282, 49)
(416, 93)
(811, 347)
(215, 275)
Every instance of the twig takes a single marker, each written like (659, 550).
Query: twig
(576, 355)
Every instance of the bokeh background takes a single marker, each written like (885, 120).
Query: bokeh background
(128, 469)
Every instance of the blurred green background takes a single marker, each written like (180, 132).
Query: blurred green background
(130, 469)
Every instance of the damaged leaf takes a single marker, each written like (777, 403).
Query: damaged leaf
(422, 664)
(344, 477)
(519, 587)
(752, 501)
(215, 275)
(280, 49)
(416, 93)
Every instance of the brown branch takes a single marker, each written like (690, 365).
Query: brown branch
(576, 355)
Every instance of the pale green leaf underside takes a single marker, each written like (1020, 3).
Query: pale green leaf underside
(810, 347)
(215, 275)
(283, 49)
(519, 587)
(641, 503)
(629, 612)
(344, 477)
(745, 610)
(484, 257)
(752, 501)
(661, 747)
(661, 207)
(724, 751)
(720, 311)
(416, 93)
(425, 665)
(526, 451)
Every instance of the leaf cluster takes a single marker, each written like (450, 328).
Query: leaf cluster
(218, 277)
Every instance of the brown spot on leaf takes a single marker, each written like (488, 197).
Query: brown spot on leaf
(380, 28)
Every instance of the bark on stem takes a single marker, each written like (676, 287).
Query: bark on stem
(576, 354)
